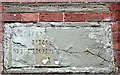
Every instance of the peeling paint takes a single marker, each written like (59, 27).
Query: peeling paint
(58, 47)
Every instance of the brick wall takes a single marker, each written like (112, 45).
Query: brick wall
(112, 16)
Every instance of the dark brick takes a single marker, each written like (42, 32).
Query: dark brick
(114, 6)
(12, 17)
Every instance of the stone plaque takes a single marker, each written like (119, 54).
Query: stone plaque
(58, 47)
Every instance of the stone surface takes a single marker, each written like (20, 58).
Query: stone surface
(58, 47)
(59, 1)
(56, 7)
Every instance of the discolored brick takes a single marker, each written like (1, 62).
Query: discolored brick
(93, 16)
(12, 17)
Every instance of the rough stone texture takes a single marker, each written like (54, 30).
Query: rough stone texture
(59, 1)
(56, 7)
(58, 47)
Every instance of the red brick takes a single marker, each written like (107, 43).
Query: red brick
(75, 17)
(119, 16)
(12, 17)
(116, 45)
(109, 16)
(1, 7)
(1, 56)
(116, 36)
(116, 26)
(93, 0)
(117, 56)
(61, 0)
(1, 26)
(78, 0)
(114, 6)
(56, 17)
(9, 0)
(1, 17)
(1, 67)
(1, 36)
(29, 17)
(107, 0)
(1, 46)
(29, 0)
(93, 16)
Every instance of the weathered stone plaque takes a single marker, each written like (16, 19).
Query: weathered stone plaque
(58, 47)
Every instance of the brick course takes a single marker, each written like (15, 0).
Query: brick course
(47, 17)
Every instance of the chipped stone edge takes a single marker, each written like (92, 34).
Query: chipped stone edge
(109, 69)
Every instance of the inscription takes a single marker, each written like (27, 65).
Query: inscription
(68, 48)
